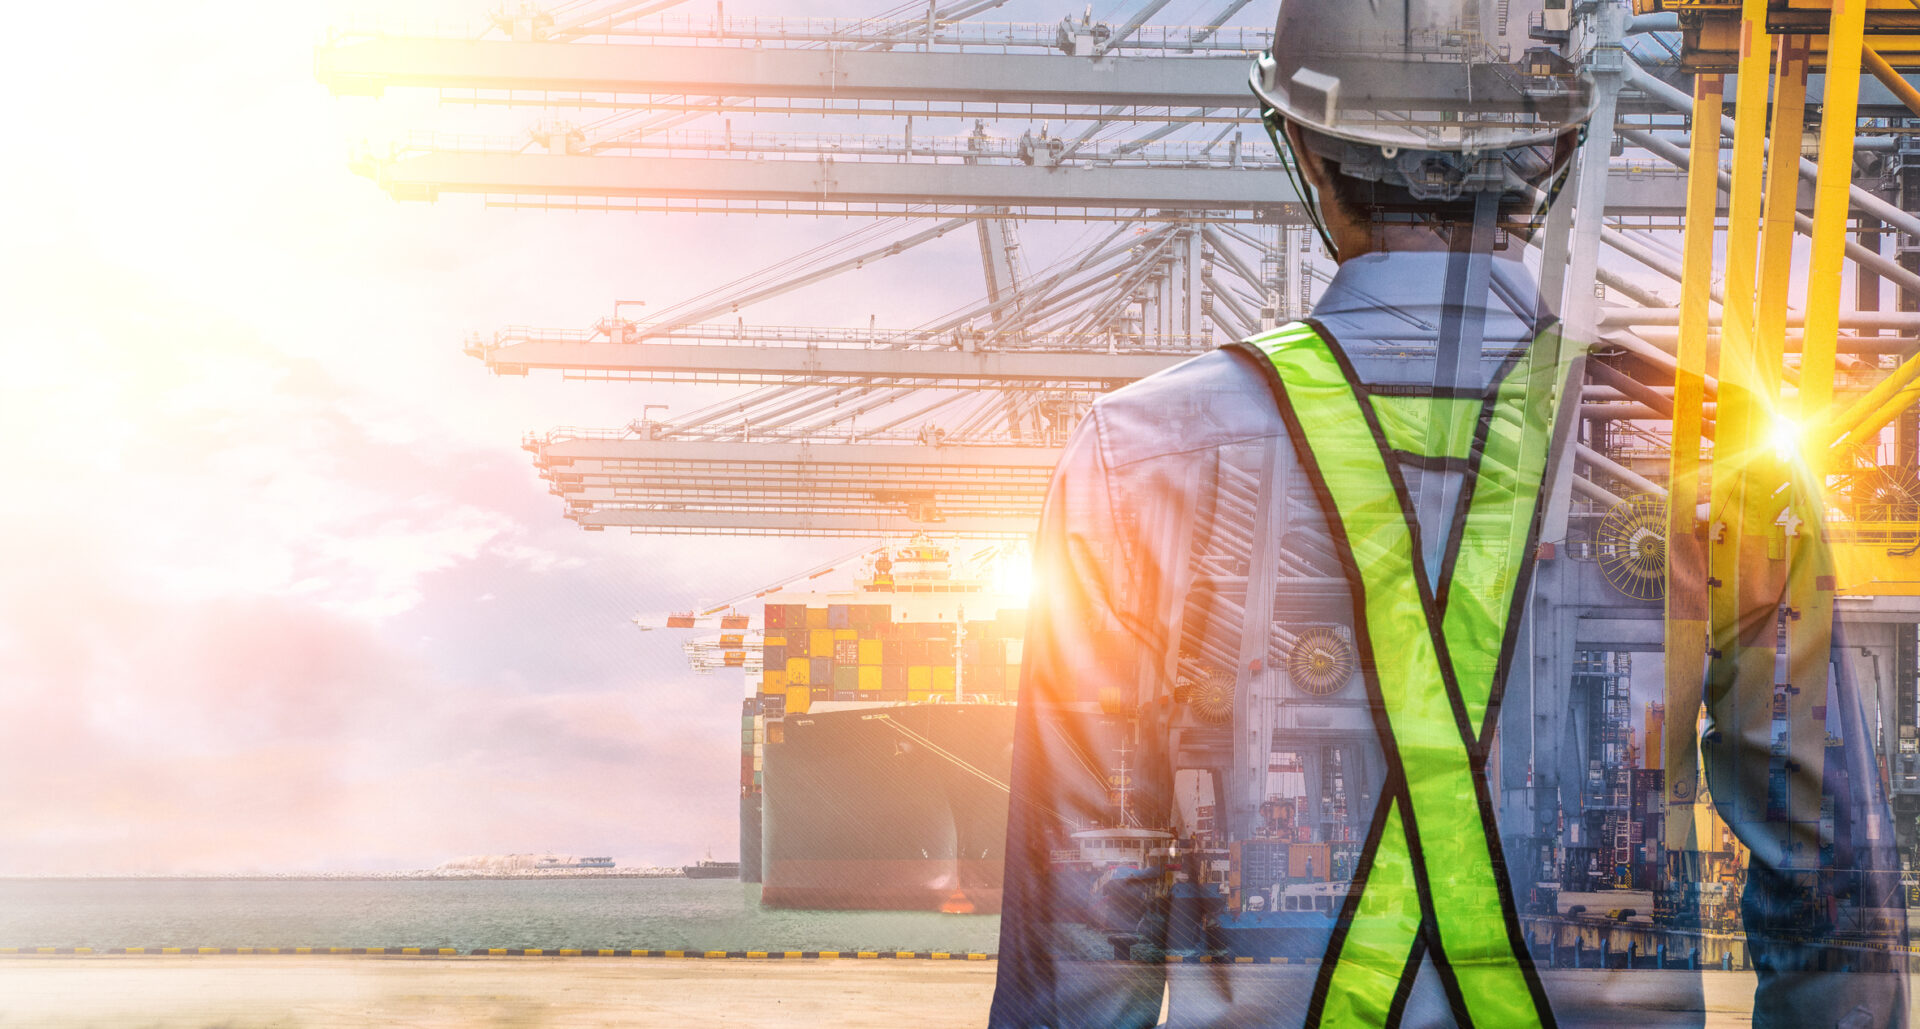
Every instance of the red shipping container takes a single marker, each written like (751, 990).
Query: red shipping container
(776, 616)
(893, 677)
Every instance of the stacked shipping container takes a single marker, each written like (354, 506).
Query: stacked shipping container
(857, 652)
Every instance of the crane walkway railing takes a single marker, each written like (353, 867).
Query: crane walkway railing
(774, 31)
(784, 337)
(1027, 149)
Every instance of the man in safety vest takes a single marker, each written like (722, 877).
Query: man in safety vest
(1263, 771)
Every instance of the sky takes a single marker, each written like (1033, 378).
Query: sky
(279, 590)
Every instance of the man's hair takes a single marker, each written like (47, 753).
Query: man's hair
(1376, 186)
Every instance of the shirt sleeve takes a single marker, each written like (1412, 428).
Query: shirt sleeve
(1793, 770)
(1081, 661)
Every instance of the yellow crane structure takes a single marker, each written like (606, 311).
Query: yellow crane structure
(1754, 542)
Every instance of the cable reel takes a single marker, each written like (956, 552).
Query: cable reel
(1209, 694)
(1321, 661)
(1630, 546)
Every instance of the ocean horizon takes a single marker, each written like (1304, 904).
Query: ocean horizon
(465, 912)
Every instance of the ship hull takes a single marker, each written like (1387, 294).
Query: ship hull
(892, 808)
(750, 844)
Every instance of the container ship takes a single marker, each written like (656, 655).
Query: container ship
(876, 750)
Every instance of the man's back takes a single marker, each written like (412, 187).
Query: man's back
(1202, 661)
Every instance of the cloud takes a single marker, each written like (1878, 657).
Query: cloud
(238, 626)
(277, 590)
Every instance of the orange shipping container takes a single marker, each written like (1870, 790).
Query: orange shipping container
(1309, 861)
(799, 698)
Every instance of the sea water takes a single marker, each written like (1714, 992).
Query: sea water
(586, 912)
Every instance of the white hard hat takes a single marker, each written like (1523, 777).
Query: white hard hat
(1463, 76)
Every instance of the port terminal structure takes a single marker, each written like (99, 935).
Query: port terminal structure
(1138, 129)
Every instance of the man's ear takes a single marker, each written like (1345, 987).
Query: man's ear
(1312, 168)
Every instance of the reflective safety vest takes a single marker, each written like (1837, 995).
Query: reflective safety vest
(1431, 882)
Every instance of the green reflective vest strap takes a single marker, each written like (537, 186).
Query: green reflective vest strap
(1429, 426)
(1434, 874)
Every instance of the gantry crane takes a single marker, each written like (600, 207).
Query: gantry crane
(954, 423)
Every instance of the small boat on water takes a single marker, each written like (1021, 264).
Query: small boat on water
(711, 869)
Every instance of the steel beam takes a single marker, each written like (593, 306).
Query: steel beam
(1808, 636)
(1811, 563)
(1631, 192)
(562, 451)
(759, 523)
(780, 365)
(1742, 608)
(1686, 586)
(369, 66)
(427, 176)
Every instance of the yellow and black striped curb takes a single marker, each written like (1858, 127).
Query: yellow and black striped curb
(1227, 959)
(515, 952)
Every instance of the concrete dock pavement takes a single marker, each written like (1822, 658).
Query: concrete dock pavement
(253, 992)
(324, 992)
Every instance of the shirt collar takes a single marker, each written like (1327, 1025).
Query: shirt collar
(1385, 312)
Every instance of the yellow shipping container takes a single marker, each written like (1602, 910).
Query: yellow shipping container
(799, 698)
(776, 641)
(918, 696)
(820, 643)
(816, 618)
(870, 652)
(798, 669)
(943, 679)
(846, 634)
(869, 677)
(920, 678)
(773, 680)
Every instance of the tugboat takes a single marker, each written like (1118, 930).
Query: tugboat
(1294, 921)
(1124, 869)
